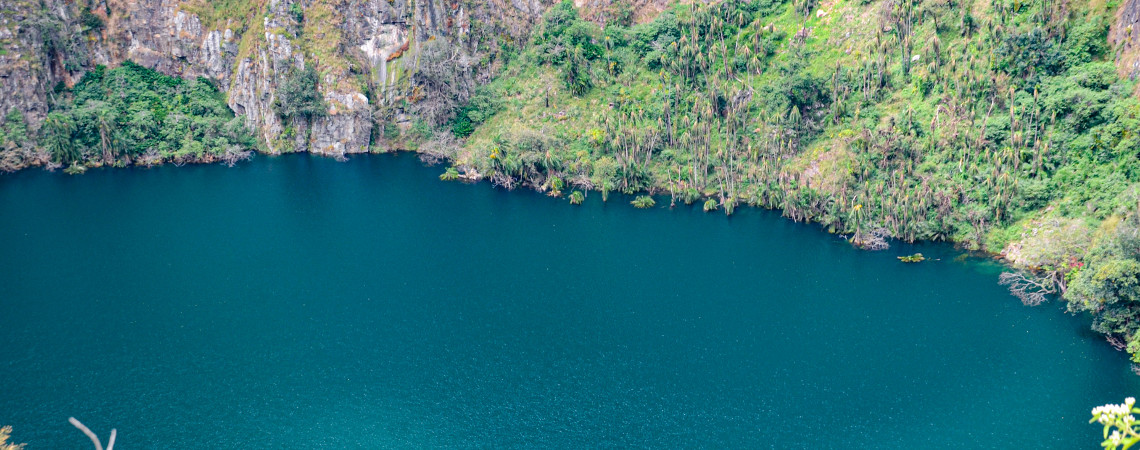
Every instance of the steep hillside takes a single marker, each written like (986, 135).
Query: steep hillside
(1003, 126)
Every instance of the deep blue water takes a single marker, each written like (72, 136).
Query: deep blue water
(298, 301)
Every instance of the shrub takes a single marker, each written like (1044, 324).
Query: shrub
(58, 130)
(299, 96)
(481, 106)
(90, 21)
(643, 201)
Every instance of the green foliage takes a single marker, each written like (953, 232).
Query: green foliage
(422, 130)
(297, 12)
(216, 14)
(568, 41)
(58, 138)
(14, 130)
(132, 112)
(915, 258)
(575, 72)
(560, 17)
(90, 21)
(577, 197)
(59, 43)
(620, 14)
(482, 105)
(1106, 282)
(451, 174)
(299, 96)
(643, 201)
(1087, 41)
(391, 130)
(1111, 282)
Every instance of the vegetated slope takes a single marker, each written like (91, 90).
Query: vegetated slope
(1000, 125)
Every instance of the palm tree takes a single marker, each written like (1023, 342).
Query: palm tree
(106, 122)
(451, 174)
(58, 131)
(643, 201)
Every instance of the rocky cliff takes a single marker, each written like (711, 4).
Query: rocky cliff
(381, 62)
(1124, 35)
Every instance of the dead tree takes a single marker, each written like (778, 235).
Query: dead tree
(90, 434)
(874, 239)
(1031, 290)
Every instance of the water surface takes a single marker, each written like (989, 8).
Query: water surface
(300, 301)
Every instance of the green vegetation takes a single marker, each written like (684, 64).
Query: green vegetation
(60, 44)
(218, 14)
(14, 129)
(59, 134)
(915, 258)
(483, 104)
(134, 114)
(983, 123)
(643, 201)
(451, 174)
(298, 96)
(321, 36)
(90, 21)
(15, 142)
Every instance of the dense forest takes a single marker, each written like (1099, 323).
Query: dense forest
(1003, 126)
(131, 114)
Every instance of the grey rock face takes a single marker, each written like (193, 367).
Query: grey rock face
(377, 45)
(1125, 35)
(24, 64)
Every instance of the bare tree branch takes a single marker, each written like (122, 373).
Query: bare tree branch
(873, 239)
(1031, 290)
(87, 431)
(91, 434)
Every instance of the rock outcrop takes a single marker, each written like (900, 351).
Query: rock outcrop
(1124, 36)
(371, 56)
(24, 60)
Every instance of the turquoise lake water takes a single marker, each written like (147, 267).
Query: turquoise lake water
(298, 301)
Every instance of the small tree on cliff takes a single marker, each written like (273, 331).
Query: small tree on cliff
(298, 96)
